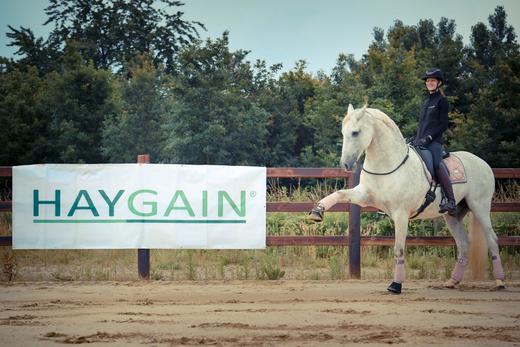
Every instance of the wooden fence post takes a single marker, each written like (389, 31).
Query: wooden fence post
(143, 255)
(354, 229)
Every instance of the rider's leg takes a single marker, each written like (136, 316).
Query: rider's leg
(443, 177)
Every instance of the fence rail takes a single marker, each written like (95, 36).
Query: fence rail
(341, 240)
(354, 240)
(6, 206)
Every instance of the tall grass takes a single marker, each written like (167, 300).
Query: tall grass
(273, 263)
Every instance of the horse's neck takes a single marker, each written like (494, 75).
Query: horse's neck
(386, 151)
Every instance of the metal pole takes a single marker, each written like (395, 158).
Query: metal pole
(354, 229)
(143, 255)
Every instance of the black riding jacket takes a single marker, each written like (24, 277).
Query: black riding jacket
(433, 119)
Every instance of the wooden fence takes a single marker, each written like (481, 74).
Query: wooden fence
(353, 240)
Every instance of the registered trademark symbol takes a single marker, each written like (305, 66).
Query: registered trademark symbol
(252, 193)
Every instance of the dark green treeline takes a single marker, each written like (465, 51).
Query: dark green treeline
(119, 78)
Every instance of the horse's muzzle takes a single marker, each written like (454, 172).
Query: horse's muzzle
(348, 164)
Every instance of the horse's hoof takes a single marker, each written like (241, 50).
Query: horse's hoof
(500, 285)
(317, 213)
(315, 216)
(394, 288)
(451, 283)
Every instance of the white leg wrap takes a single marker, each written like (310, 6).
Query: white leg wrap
(458, 270)
(399, 273)
(498, 271)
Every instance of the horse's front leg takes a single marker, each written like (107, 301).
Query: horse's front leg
(357, 195)
(401, 229)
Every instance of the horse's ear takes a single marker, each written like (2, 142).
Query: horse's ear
(350, 109)
(362, 112)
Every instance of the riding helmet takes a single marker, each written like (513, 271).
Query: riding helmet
(434, 73)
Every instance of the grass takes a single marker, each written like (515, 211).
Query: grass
(273, 263)
(337, 267)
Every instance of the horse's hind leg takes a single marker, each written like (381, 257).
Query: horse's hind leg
(481, 219)
(456, 226)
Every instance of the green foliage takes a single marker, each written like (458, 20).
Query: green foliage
(110, 33)
(35, 52)
(491, 123)
(270, 270)
(76, 100)
(215, 118)
(323, 118)
(119, 78)
(143, 104)
(337, 268)
(24, 122)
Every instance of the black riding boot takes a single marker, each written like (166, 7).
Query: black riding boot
(443, 177)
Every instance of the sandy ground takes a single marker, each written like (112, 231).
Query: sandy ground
(263, 313)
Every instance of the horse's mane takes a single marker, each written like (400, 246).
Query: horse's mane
(387, 121)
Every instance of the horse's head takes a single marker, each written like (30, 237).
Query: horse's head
(357, 135)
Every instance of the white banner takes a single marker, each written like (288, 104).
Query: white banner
(65, 206)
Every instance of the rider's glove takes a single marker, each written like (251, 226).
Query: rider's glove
(410, 140)
(423, 141)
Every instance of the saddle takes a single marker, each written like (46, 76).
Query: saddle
(451, 161)
(453, 164)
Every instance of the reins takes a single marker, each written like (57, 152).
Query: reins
(430, 194)
(394, 170)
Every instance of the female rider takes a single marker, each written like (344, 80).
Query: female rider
(433, 122)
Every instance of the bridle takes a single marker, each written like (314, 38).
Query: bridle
(394, 170)
(398, 166)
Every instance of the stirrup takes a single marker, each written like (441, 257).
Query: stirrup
(448, 206)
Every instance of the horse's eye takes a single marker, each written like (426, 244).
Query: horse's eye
(355, 133)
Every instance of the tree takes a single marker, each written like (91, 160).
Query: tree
(24, 123)
(136, 127)
(280, 121)
(34, 51)
(324, 112)
(491, 125)
(77, 100)
(289, 130)
(111, 32)
(215, 118)
(390, 73)
(448, 55)
(426, 31)
(120, 77)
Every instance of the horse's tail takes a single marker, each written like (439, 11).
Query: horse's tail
(477, 248)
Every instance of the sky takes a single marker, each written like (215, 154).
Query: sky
(285, 31)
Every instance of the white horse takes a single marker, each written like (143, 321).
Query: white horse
(398, 187)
